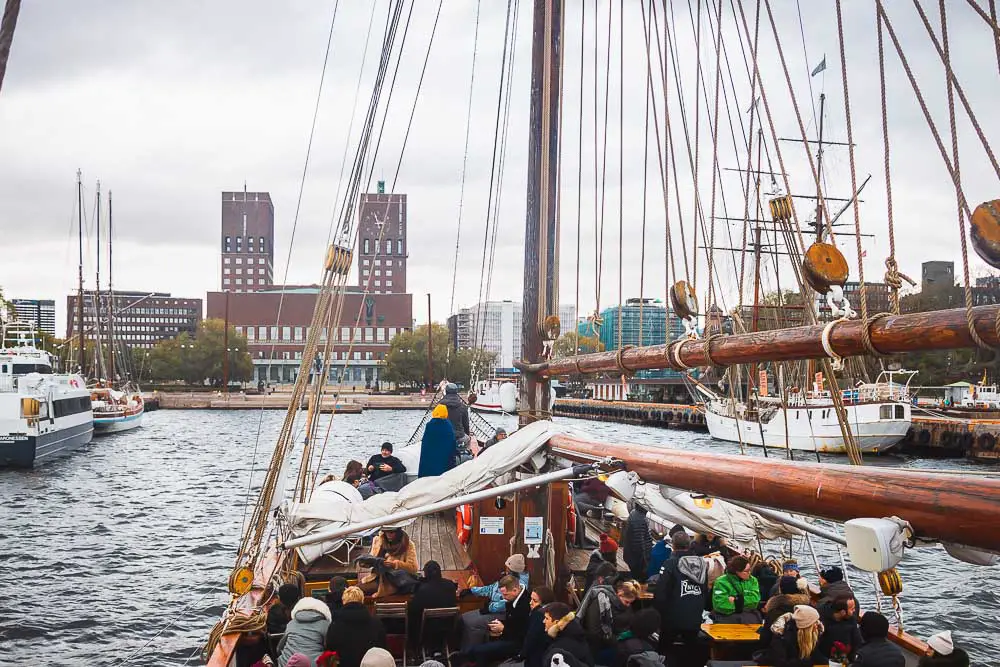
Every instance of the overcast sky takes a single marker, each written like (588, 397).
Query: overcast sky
(171, 103)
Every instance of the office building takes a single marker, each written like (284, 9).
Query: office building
(382, 245)
(496, 326)
(247, 241)
(141, 319)
(40, 312)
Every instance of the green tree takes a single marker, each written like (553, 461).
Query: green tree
(572, 343)
(195, 360)
(406, 360)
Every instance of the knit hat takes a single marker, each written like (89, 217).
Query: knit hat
(431, 663)
(378, 657)
(515, 563)
(299, 660)
(941, 643)
(608, 545)
(805, 616)
(874, 625)
(832, 574)
(790, 565)
(452, 388)
(440, 412)
(788, 585)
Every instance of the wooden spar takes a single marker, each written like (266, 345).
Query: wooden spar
(893, 334)
(541, 235)
(7, 26)
(951, 508)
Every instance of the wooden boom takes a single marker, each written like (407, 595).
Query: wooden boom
(893, 334)
(951, 508)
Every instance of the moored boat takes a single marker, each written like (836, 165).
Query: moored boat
(116, 411)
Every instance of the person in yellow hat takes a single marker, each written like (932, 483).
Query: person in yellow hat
(437, 447)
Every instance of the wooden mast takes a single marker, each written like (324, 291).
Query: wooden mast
(892, 334)
(81, 360)
(541, 236)
(952, 508)
(7, 25)
(111, 302)
(99, 333)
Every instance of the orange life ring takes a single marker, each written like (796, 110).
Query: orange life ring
(463, 523)
(571, 522)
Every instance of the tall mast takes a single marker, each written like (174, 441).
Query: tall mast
(755, 324)
(7, 25)
(111, 299)
(541, 237)
(79, 302)
(819, 172)
(430, 345)
(99, 348)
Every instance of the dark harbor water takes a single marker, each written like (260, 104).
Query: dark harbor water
(119, 554)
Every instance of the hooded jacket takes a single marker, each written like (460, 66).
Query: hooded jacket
(354, 632)
(658, 555)
(638, 543)
(746, 592)
(603, 616)
(568, 639)
(306, 631)
(681, 592)
(458, 414)
(437, 448)
(879, 652)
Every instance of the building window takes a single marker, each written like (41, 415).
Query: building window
(249, 281)
(260, 272)
(365, 263)
(378, 283)
(366, 273)
(263, 245)
(239, 281)
(388, 262)
(239, 272)
(380, 334)
(262, 333)
(345, 334)
(239, 243)
(357, 334)
(377, 272)
(286, 333)
(274, 333)
(239, 330)
(388, 273)
(388, 283)
(298, 333)
(225, 260)
(369, 334)
(392, 332)
(399, 246)
(239, 260)
(225, 281)
(388, 246)
(250, 333)
(357, 356)
(260, 260)
(368, 356)
(378, 262)
(368, 247)
(228, 246)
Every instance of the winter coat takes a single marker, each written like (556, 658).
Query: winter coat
(306, 631)
(784, 650)
(957, 658)
(879, 653)
(630, 646)
(681, 592)
(437, 449)
(746, 592)
(846, 632)
(638, 543)
(536, 640)
(430, 595)
(515, 623)
(646, 659)
(603, 616)
(353, 632)
(458, 414)
(568, 639)
(830, 594)
(408, 563)
(658, 555)
(783, 604)
(497, 604)
(375, 461)
(277, 618)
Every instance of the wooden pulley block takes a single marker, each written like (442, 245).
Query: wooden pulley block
(781, 208)
(240, 581)
(985, 232)
(824, 265)
(683, 299)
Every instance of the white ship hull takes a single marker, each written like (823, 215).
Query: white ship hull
(877, 427)
(117, 424)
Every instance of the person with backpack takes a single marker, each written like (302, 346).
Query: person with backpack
(680, 597)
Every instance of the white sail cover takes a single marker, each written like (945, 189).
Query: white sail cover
(492, 467)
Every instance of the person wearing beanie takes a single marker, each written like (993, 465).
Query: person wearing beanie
(306, 631)
(281, 611)
(661, 552)
(877, 651)
(458, 413)
(789, 568)
(378, 657)
(334, 596)
(354, 630)
(638, 543)
(640, 638)
(433, 592)
(608, 548)
(945, 653)
(798, 644)
(474, 626)
(832, 587)
(784, 601)
(437, 446)
(736, 594)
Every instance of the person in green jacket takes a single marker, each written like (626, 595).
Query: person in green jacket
(736, 594)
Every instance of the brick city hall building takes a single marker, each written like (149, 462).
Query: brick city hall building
(368, 321)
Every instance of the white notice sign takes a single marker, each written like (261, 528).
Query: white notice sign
(491, 525)
(533, 526)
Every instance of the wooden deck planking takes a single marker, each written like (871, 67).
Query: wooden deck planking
(435, 539)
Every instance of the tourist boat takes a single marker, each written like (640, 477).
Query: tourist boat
(516, 497)
(879, 414)
(116, 410)
(43, 415)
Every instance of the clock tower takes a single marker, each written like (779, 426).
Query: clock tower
(382, 244)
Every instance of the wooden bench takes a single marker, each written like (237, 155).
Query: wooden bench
(724, 636)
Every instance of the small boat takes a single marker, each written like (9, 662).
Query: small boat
(116, 411)
(43, 414)
(879, 414)
(495, 396)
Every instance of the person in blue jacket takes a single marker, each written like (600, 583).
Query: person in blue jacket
(661, 552)
(437, 448)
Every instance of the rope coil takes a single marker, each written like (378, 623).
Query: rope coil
(708, 350)
(621, 362)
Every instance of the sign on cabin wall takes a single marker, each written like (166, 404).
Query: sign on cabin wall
(491, 525)
(533, 527)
